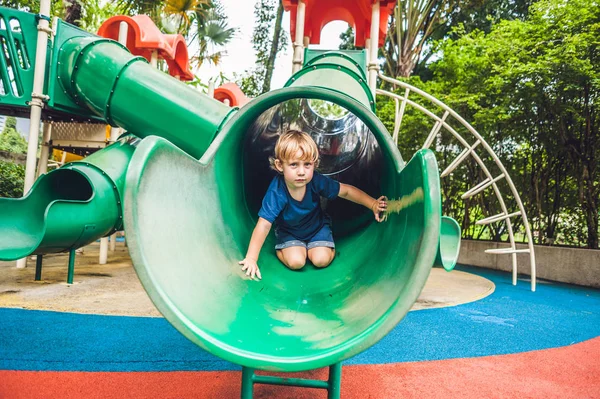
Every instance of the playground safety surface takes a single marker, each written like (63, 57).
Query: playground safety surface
(114, 288)
(472, 334)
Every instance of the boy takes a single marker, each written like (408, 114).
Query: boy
(292, 202)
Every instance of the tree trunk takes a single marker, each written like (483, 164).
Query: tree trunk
(73, 12)
(590, 175)
(404, 68)
(274, 49)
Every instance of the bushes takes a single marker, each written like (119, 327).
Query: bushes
(12, 178)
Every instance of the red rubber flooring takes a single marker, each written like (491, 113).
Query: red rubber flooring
(565, 372)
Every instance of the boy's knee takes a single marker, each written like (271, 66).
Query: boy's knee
(295, 263)
(322, 260)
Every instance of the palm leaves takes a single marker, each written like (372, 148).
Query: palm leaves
(202, 22)
(413, 23)
(210, 31)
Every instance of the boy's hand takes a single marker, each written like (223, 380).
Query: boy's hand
(379, 207)
(251, 268)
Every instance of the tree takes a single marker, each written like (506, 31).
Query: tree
(412, 24)
(347, 39)
(530, 87)
(93, 13)
(10, 139)
(210, 29)
(12, 179)
(275, 47)
(203, 23)
(268, 39)
(73, 11)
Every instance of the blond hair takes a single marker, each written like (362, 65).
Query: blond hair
(290, 143)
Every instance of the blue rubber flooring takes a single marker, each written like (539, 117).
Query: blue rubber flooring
(513, 319)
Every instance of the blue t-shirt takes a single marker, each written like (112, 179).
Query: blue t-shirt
(301, 219)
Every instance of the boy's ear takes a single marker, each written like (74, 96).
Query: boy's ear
(278, 165)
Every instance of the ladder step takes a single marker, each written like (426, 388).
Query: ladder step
(498, 217)
(500, 251)
(399, 114)
(481, 186)
(435, 130)
(463, 155)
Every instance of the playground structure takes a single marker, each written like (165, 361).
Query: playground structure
(185, 183)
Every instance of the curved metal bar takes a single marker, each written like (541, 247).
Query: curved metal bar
(441, 122)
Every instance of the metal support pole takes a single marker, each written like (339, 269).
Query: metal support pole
(211, 89)
(37, 103)
(332, 385)
(298, 58)
(154, 59)
(113, 242)
(247, 383)
(123, 31)
(71, 267)
(103, 250)
(45, 151)
(335, 381)
(373, 48)
(38, 268)
(115, 132)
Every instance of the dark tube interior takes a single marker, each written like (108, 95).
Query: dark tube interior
(348, 153)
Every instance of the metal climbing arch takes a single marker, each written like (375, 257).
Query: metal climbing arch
(442, 125)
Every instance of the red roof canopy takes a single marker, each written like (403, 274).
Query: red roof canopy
(357, 13)
(143, 37)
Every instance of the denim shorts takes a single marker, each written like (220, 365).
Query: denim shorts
(322, 238)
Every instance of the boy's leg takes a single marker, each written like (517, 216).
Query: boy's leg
(321, 256)
(292, 257)
(321, 249)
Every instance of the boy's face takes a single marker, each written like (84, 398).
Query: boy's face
(296, 172)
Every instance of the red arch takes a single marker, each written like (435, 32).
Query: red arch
(356, 13)
(231, 92)
(143, 37)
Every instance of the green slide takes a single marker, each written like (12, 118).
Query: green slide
(188, 224)
(189, 192)
(68, 207)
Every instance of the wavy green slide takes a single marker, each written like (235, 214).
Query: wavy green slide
(190, 191)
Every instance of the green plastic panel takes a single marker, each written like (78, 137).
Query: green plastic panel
(18, 41)
(449, 249)
(334, 77)
(357, 57)
(126, 91)
(339, 58)
(68, 207)
(188, 225)
(60, 99)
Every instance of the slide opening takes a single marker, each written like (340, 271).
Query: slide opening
(67, 184)
(189, 223)
(371, 268)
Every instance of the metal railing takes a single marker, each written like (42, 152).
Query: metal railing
(470, 149)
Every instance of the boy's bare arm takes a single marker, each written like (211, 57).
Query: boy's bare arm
(259, 235)
(354, 194)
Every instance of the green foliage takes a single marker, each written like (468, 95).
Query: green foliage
(10, 139)
(531, 88)
(95, 12)
(12, 179)
(57, 7)
(10, 123)
(412, 24)
(347, 39)
(327, 109)
(268, 39)
(209, 28)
